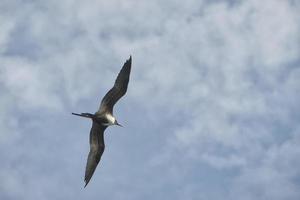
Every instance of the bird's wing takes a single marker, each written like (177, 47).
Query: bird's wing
(118, 90)
(96, 150)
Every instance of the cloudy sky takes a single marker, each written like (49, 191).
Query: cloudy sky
(212, 110)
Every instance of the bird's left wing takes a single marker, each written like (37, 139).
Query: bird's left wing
(96, 150)
(118, 90)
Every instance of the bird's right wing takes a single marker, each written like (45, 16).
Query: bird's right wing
(118, 90)
(96, 150)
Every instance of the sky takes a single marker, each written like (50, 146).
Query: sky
(211, 111)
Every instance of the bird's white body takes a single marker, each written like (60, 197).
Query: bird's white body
(111, 120)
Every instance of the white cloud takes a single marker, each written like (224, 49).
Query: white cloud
(29, 85)
(223, 79)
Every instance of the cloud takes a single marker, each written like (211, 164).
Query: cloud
(211, 110)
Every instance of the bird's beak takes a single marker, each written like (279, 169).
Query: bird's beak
(118, 124)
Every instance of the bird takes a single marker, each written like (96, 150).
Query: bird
(103, 118)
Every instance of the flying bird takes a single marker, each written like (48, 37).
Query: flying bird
(104, 118)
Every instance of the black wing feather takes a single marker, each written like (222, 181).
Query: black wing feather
(118, 90)
(96, 150)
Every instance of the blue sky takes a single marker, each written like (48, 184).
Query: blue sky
(211, 112)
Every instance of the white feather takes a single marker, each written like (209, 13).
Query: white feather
(110, 118)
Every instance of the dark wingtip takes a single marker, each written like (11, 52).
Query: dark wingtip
(86, 182)
(128, 62)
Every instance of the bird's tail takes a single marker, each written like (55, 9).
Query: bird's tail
(87, 115)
